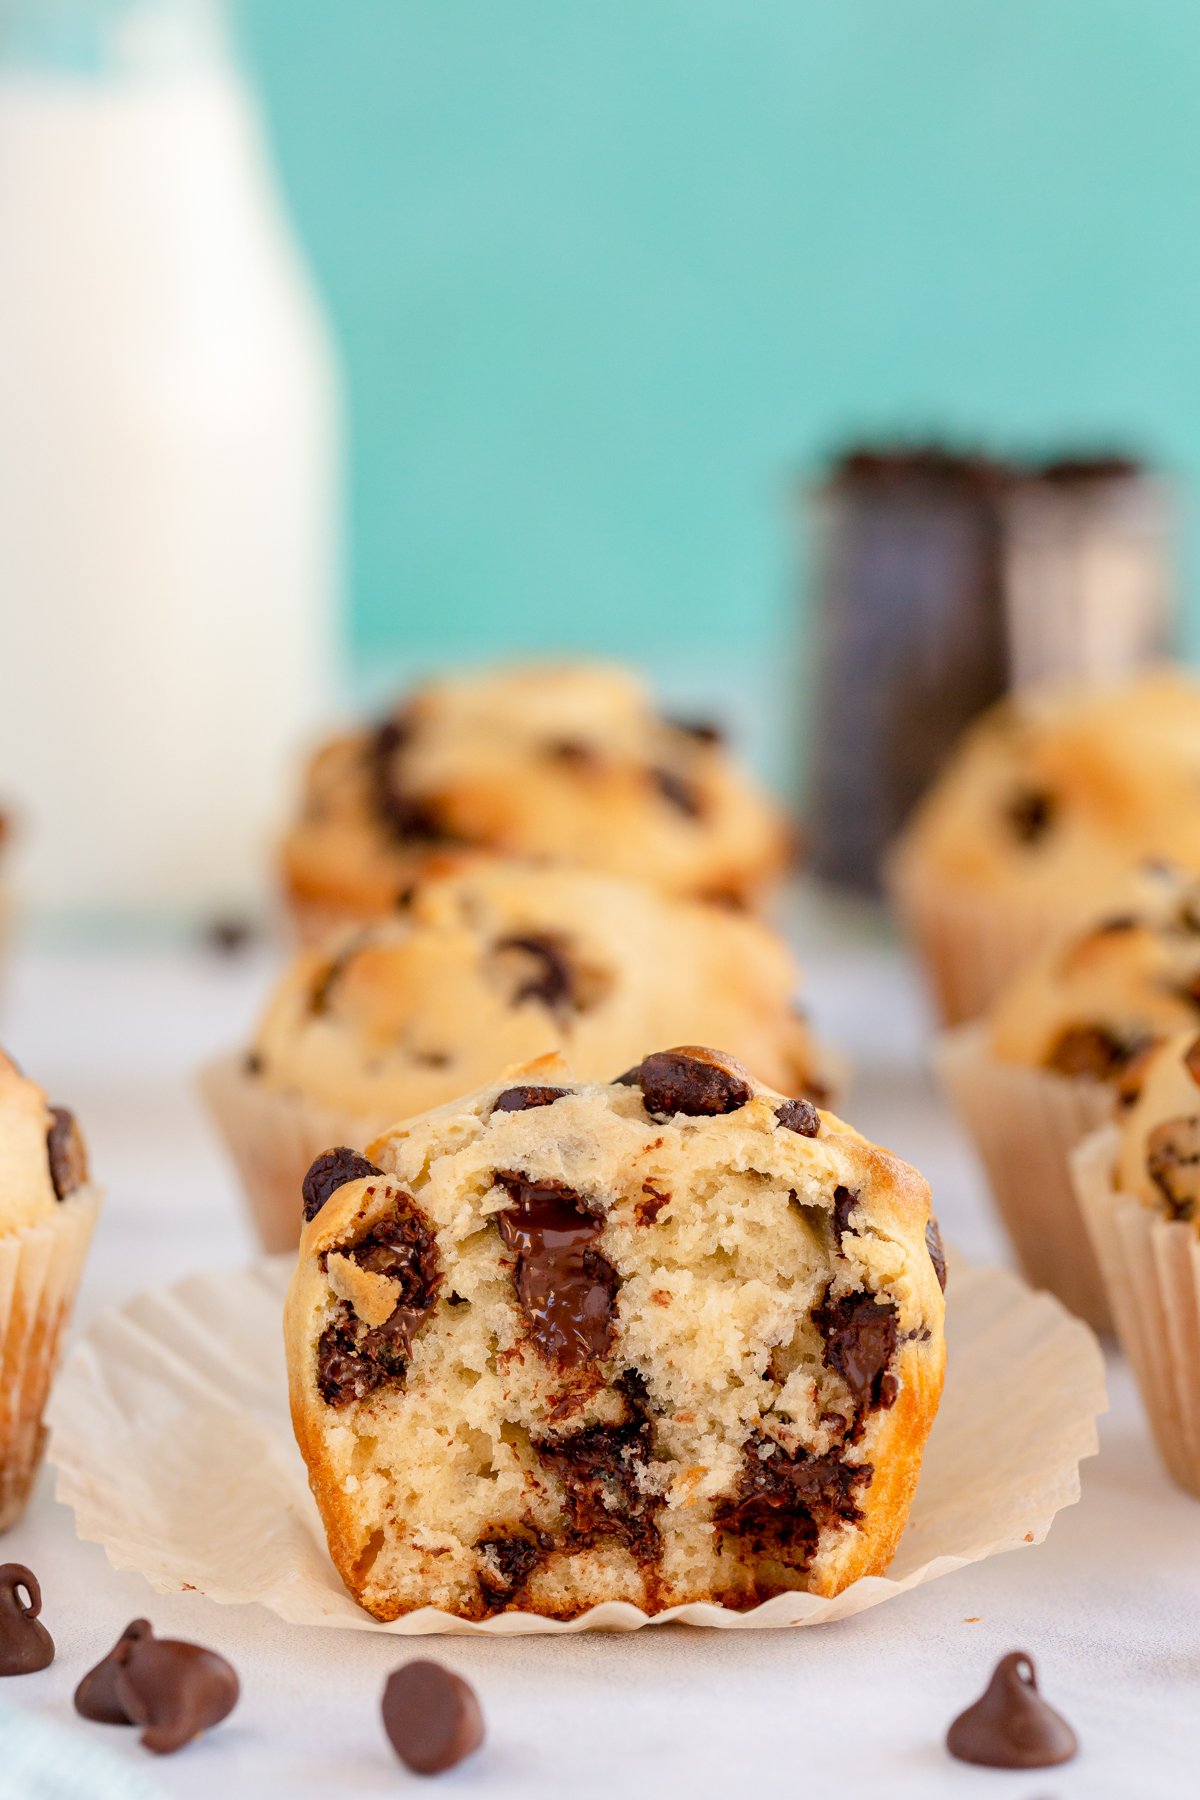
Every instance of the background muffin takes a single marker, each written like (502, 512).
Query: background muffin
(493, 963)
(1050, 798)
(568, 764)
(674, 1338)
(47, 1212)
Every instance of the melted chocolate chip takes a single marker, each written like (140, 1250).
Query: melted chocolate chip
(646, 1210)
(677, 1081)
(506, 1565)
(1010, 1726)
(552, 981)
(332, 1170)
(1173, 1161)
(564, 1285)
(1091, 1050)
(844, 1202)
(522, 1099)
(937, 1255)
(599, 1467)
(681, 793)
(860, 1341)
(432, 1717)
(96, 1696)
(354, 1358)
(1030, 813)
(25, 1644)
(800, 1116)
(67, 1153)
(783, 1503)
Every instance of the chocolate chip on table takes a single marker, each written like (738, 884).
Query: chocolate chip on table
(522, 1099)
(25, 1644)
(565, 1286)
(432, 1717)
(1010, 1726)
(332, 1170)
(800, 1116)
(228, 936)
(1030, 813)
(67, 1152)
(171, 1689)
(681, 793)
(937, 1255)
(691, 1081)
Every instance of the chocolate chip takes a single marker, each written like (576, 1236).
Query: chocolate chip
(782, 1503)
(564, 1285)
(693, 1082)
(252, 1063)
(1173, 1162)
(405, 817)
(521, 1099)
(25, 1644)
(96, 1696)
(1191, 1060)
(937, 1256)
(703, 731)
(67, 1152)
(551, 982)
(800, 1116)
(506, 1564)
(1091, 1050)
(844, 1202)
(432, 1717)
(860, 1341)
(1010, 1726)
(353, 1358)
(1031, 812)
(646, 1211)
(226, 937)
(599, 1470)
(631, 1077)
(332, 1170)
(681, 793)
(575, 752)
(171, 1689)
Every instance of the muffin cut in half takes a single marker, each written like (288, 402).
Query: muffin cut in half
(668, 1339)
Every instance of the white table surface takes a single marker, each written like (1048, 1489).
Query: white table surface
(1109, 1605)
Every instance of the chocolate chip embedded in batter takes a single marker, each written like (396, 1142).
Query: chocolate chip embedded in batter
(937, 1255)
(681, 793)
(573, 752)
(67, 1152)
(432, 1717)
(1191, 1060)
(506, 1564)
(522, 1099)
(600, 1468)
(782, 1503)
(646, 1210)
(25, 1644)
(1030, 813)
(1173, 1161)
(692, 1081)
(332, 1170)
(405, 817)
(701, 731)
(551, 981)
(565, 1286)
(354, 1358)
(1010, 1726)
(844, 1202)
(1091, 1050)
(800, 1116)
(860, 1341)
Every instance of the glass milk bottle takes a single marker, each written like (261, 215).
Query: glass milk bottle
(169, 428)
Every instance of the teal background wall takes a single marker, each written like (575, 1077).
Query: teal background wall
(606, 273)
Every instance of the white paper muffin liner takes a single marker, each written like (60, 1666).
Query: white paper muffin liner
(1151, 1269)
(40, 1267)
(968, 946)
(1025, 1123)
(173, 1445)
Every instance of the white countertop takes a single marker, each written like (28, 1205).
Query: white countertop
(1109, 1606)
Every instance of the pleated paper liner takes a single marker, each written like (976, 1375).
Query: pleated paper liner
(1025, 1123)
(171, 1437)
(40, 1267)
(1151, 1269)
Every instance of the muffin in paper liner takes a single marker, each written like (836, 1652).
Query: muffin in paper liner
(1151, 1270)
(1024, 1123)
(967, 945)
(173, 1445)
(40, 1268)
(273, 1139)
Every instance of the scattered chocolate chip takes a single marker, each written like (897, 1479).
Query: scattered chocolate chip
(432, 1717)
(860, 1341)
(67, 1152)
(1173, 1162)
(782, 1503)
(937, 1255)
(1010, 1726)
(693, 1082)
(703, 731)
(646, 1210)
(25, 1644)
(521, 1099)
(226, 937)
(353, 1358)
(551, 982)
(681, 793)
(1090, 1050)
(800, 1116)
(172, 1690)
(252, 1063)
(1030, 813)
(332, 1170)
(564, 1285)
(96, 1696)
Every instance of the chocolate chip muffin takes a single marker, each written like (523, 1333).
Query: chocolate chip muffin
(676, 1337)
(1138, 1182)
(565, 764)
(489, 964)
(1059, 1043)
(47, 1212)
(1050, 799)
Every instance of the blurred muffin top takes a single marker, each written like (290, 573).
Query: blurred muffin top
(568, 764)
(1056, 793)
(1158, 1156)
(492, 963)
(1094, 1001)
(42, 1154)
